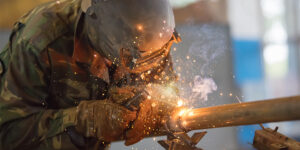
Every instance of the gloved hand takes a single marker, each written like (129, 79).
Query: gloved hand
(153, 112)
(104, 120)
(121, 95)
(128, 96)
(150, 118)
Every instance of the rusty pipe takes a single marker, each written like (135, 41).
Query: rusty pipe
(275, 110)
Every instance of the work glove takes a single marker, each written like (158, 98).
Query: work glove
(153, 109)
(153, 113)
(104, 120)
(151, 117)
(128, 96)
(121, 95)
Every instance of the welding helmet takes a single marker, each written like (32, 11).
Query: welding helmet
(141, 28)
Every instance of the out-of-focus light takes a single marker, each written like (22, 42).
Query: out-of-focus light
(181, 3)
(276, 33)
(184, 123)
(191, 113)
(140, 27)
(182, 112)
(180, 103)
(160, 35)
(272, 8)
(276, 60)
(275, 54)
(153, 104)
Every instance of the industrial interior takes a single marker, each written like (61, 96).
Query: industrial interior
(232, 51)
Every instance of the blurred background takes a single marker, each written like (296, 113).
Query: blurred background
(232, 51)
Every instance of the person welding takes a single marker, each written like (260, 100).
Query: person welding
(73, 70)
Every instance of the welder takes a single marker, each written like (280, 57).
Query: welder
(71, 67)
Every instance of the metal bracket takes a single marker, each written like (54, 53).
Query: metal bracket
(181, 140)
(269, 139)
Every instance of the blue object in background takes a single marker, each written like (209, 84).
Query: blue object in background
(246, 134)
(248, 67)
(247, 61)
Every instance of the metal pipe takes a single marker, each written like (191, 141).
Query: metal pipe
(281, 109)
(275, 110)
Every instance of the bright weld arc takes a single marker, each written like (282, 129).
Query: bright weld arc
(180, 103)
(185, 112)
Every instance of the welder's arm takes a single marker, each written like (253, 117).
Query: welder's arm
(25, 121)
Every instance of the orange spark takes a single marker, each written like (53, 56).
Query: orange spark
(140, 27)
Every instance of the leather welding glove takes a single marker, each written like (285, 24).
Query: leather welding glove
(153, 112)
(121, 95)
(104, 120)
(128, 96)
(150, 118)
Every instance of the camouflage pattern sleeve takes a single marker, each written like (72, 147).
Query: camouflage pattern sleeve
(25, 120)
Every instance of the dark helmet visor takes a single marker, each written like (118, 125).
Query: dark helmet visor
(138, 25)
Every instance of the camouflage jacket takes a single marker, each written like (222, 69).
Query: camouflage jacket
(47, 71)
